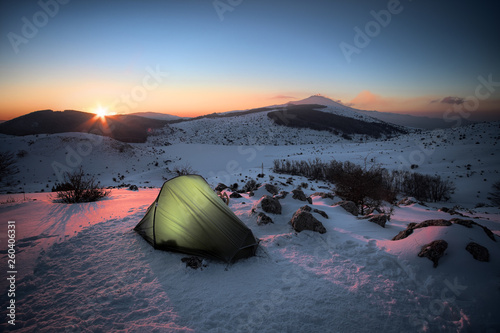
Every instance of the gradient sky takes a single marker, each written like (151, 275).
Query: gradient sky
(250, 53)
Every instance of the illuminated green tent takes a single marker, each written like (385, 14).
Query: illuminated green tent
(189, 217)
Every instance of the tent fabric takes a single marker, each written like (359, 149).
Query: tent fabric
(189, 217)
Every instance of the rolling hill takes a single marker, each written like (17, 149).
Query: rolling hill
(125, 128)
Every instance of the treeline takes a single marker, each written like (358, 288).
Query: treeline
(363, 184)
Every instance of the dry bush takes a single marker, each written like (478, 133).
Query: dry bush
(78, 187)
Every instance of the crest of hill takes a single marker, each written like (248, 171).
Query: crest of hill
(157, 115)
(125, 128)
(318, 99)
(407, 120)
(313, 117)
(335, 107)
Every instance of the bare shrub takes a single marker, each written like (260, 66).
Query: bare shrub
(369, 185)
(78, 187)
(185, 169)
(250, 185)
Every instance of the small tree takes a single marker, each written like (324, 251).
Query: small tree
(495, 195)
(77, 187)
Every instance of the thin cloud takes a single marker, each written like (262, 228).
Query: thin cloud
(453, 100)
(282, 97)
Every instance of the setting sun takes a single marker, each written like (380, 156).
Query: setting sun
(101, 112)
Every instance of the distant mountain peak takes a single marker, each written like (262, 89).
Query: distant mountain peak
(317, 99)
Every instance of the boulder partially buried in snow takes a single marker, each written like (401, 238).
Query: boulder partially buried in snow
(379, 219)
(434, 250)
(281, 195)
(268, 204)
(407, 201)
(263, 219)
(321, 212)
(479, 252)
(427, 223)
(221, 187)
(323, 195)
(235, 195)
(350, 207)
(271, 189)
(470, 223)
(299, 195)
(304, 220)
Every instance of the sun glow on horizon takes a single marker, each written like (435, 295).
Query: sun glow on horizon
(101, 112)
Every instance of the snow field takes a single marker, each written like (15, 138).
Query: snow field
(85, 270)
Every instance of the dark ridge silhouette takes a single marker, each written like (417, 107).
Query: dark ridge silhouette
(223, 115)
(125, 128)
(306, 116)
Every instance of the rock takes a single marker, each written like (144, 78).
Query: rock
(235, 195)
(403, 234)
(451, 211)
(304, 220)
(299, 195)
(444, 209)
(465, 223)
(320, 212)
(269, 204)
(433, 223)
(470, 223)
(281, 195)
(271, 189)
(220, 187)
(407, 201)
(306, 208)
(193, 262)
(479, 252)
(323, 195)
(427, 223)
(133, 188)
(411, 225)
(379, 219)
(488, 232)
(263, 219)
(350, 207)
(434, 250)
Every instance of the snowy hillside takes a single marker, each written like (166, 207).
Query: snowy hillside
(249, 129)
(157, 115)
(335, 107)
(258, 128)
(81, 268)
(422, 122)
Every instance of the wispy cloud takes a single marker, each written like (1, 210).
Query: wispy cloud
(283, 97)
(453, 100)
(368, 100)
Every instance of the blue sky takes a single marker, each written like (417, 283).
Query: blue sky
(262, 52)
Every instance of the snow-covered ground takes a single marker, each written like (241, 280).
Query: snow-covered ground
(81, 268)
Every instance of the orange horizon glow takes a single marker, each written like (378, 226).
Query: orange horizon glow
(182, 104)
